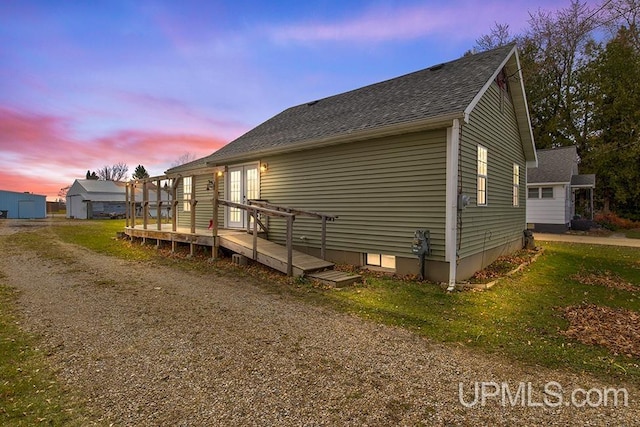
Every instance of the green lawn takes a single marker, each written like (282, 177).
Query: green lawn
(633, 234)
(519, 318)
(29, 392)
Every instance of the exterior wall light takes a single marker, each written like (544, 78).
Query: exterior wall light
(264, 167)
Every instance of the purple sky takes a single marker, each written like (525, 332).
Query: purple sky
(89, 84)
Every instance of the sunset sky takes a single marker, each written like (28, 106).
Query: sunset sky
(84, 84)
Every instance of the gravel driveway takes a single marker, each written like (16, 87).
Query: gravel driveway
(151, 345)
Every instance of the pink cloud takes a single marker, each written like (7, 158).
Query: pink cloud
(40, 153)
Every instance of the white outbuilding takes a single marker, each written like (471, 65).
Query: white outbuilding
(556, 192)
(92, 199)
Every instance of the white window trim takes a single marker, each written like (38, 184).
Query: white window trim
(516, 185)
(383, 260)
(484, 176)
(186, 196)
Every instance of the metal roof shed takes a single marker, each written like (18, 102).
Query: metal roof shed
(22, 205)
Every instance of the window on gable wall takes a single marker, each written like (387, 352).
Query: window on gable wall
(516, 185)
(187, 189)
(481, 197)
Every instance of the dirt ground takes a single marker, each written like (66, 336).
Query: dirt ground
(144, 344)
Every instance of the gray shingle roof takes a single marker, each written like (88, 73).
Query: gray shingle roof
(588, 180)
(430, 93)
(554, 165)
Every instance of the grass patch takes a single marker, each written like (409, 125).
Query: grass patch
(100, 236)
(633, 234)
(29, 393)
(522, 318)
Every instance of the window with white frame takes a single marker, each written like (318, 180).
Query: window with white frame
(533, 192)
(187, 189)
(516, 184)
(381, 260)
(547, 192)
(481, 197)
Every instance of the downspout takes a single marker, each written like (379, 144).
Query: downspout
(451, 229)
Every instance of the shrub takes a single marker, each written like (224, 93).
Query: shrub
(614, 222)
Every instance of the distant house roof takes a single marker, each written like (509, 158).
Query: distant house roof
(559, 166)
(99, 186)
(420, 100)
(104, 191)
(554, 165)
(588, 181)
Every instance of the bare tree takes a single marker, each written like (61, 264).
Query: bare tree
(116, 172)
(63, 192)
(623, 13)
(499, 36)
(183, 159)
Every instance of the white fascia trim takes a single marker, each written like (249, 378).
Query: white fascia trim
(451, 231)
(540, 184)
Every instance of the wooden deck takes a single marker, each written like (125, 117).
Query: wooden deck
(239, 241)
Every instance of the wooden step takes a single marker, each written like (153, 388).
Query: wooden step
(272, 254)
(335, 277)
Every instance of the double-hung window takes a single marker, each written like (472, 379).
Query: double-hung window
(481, 197)
(187, 189)
(516, 184)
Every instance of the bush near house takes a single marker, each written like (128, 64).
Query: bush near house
(612, 221)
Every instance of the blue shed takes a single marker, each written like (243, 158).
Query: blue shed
(22, 205)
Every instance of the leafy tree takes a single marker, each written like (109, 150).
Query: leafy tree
(140, 173)
(614, 152)
(116, 172)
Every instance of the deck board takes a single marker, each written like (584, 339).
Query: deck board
(273, 254)
(270, 253)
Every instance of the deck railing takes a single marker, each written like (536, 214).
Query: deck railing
(258, 213)
(262, 208)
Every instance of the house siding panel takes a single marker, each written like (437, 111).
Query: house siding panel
(493, 125)
(548, 211)
(382, 191)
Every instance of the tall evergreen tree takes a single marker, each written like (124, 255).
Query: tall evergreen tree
(140, 172)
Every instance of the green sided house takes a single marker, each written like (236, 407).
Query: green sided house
(443, 150)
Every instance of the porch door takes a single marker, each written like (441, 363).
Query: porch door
(243, 184)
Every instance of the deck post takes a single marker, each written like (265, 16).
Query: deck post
(174, 204)
(290, 245)
(254, 212)
(323, 239)
(159, 204)
(145, 204)
(133, 205)
(193, 202)
(214, 223)
(126, 205)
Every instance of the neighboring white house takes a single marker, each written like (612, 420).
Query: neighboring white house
(89, 198)
(554, 188)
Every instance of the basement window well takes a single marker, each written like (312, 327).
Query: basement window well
(381, 260)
